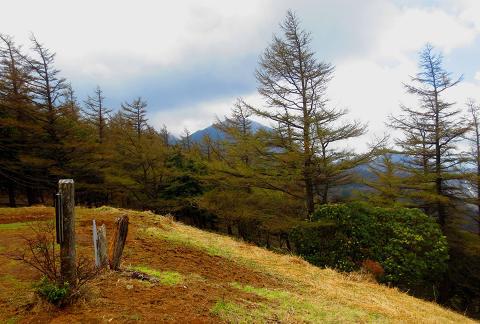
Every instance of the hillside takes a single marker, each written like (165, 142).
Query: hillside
(202, 277)
(216, 134)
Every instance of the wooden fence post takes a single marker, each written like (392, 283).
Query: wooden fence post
(102, 246)
(95, 246)
(118, 242)
(68, 265)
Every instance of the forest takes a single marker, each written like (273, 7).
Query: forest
(407, 208)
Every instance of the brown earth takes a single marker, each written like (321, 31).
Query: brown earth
(114, 296)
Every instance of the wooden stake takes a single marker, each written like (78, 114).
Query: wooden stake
(118, 242)
(102, 246)
(67, 246)
(95, 246)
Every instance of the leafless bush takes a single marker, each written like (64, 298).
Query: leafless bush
(42, 254)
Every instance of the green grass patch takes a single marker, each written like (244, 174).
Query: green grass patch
(287, 306)
(211, 248)
(169, 278)
(233, 313)
(12, 320)
(105, 209)
(262, 292)
(14, 226)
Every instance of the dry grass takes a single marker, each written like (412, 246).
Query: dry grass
(306, 293)
(343, 297)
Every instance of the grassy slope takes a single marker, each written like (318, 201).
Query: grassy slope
(292, 290)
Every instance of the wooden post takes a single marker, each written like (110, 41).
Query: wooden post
(95, 245)
(118, 242)
(102, 246)
(68, 264)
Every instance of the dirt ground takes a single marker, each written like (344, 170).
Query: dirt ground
(116, 297)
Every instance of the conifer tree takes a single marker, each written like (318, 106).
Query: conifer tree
(96, 113)
(238, 129)
(135, 113)
(333, 164)
(17, 123)
(293, 82)
(386, 182)
(430, 134)
(473, 136)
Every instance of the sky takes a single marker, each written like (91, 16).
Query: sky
(191, 59)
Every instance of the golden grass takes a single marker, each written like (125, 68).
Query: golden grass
(311, 294)
(344, 297)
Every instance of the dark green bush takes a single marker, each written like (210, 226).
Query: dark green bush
(52, 292)
(406, 242)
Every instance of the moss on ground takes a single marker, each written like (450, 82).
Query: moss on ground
(14, 226)
(169, 278)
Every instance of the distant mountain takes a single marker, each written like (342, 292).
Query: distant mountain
(216, 134)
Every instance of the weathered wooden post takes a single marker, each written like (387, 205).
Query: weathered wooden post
(102, 246)
(95, 246)
(66, 231)
(118, 242)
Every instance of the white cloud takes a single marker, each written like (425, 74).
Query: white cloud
(105, 38)
(477, 76)
(372, 44)
(410, 28)
(197, 116)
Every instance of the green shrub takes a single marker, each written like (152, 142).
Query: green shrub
(407, 243)
(52, 292)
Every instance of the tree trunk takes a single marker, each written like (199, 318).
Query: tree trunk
(31, 197)
(11, 195)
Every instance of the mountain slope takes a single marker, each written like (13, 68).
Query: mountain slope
(202, 277)
(216, 134)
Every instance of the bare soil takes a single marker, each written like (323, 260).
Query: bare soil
(114, 297)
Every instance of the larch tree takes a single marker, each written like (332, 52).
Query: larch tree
(47, 87)
(96, 113)
(238, 129)
(17, 123)
(473, 136)
(186, 139)
(135, 113)
(293, 83)
(431, 133)
(334, 164)
(386, 182)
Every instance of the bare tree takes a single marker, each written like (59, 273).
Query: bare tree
(186, 139)
(165, 135)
